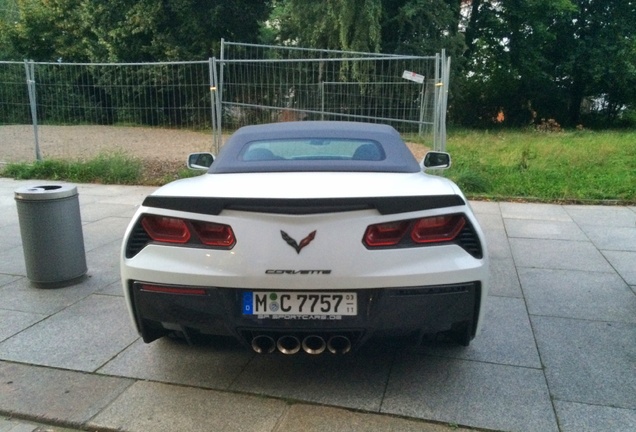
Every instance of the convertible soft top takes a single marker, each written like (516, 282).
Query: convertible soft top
(314, 146)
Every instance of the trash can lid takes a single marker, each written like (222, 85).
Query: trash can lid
(45, 192)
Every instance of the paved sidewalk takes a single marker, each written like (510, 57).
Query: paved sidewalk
(557, 351)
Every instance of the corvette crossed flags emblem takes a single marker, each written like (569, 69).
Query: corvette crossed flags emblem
(298, 246)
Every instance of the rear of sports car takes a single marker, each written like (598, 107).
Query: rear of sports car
(310, 261)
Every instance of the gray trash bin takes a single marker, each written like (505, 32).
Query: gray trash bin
(52, 239)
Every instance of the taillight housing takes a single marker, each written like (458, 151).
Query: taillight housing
(437, 229)
(434, 230)
(385, 234)
(213, 234)
(165, 229)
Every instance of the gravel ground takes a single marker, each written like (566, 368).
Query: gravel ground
(162, 151)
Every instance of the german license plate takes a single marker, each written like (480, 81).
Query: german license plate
(299, 303)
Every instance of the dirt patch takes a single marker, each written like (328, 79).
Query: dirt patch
(162, 151)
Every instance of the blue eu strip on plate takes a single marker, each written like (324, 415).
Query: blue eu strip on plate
(248, 308)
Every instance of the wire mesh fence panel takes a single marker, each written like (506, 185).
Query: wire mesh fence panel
(272, 83)
(14, 97)
(15, 117)
(165, 110)
(126, 101)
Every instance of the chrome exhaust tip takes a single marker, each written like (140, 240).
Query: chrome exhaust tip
(263, 344)
(339, 344)
(314, 344)
(288, 344)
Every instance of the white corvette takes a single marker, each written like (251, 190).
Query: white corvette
(312, 236)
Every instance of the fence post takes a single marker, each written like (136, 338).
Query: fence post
(30, 79)
(322, 100)
(218, 106)
(213, 91)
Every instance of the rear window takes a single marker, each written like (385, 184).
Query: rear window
(309, 149)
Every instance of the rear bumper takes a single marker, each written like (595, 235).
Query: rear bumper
(381, 312)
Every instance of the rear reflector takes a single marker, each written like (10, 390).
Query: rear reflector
(172, 289)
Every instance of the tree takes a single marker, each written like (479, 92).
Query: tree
(349, 25)
(509, 68)
(595, 58)
(124, 30)
(547, 59)
(421, 27)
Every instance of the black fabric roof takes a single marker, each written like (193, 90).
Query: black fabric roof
(398, 157)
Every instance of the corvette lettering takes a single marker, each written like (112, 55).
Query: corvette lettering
(298, 272)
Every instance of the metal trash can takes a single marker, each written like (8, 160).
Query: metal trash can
(52, 238)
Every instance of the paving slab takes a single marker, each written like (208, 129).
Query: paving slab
(602, 215)
(590, 362)
(470, 393)
(497, 244)
(545, 260)
(12, 425)
(148, 406)
(97, 210)
(355, 381)
(105, 259)
(612, 238)
(558, 254)
(12, 261)
(209, 365)
(541, 229)
(14, 322)
(310, 418)
(10, 235)
(20, 295)
(503, 278)
(485, 207)
(545, 212)
(506, 337)
(576, 417)
(7, 279)
(624, 263)
(490, 221)
(104, 231)
(57, 395)
(82, 337)
(578, 294)
(114, 289)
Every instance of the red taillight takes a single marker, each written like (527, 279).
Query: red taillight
(166, 229)
(437, 229)
(385, 234)
(180, 231)
(213, 234)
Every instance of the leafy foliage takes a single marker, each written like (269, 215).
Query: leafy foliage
(514, 61)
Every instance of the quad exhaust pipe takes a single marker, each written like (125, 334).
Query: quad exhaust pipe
(263, 344)
(339, 344)
(290, 344)
(314, 344)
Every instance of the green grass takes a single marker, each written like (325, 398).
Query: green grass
(577, 166)
(113, 168)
